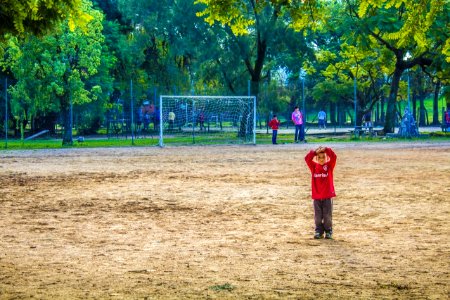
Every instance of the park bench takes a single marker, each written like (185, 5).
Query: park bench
(363, 131)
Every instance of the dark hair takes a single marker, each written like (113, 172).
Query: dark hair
(274, 116)
(296, 107)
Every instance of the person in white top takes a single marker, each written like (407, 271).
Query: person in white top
(171, 120)
(322, 116)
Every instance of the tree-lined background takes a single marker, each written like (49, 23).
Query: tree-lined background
(82, 58)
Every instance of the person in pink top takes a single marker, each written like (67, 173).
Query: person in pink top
(321, 163)
(297, 119)
(447, 118)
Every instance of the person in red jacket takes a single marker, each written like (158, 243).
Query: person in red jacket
(321, 162)
(274, 124)
(447, 118)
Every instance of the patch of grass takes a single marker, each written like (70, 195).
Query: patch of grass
(36, 144)
(205, 139)
(88, 143)
(440, 134)
(222, 287)
(398, 286)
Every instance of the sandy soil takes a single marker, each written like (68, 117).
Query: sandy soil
(224, 223)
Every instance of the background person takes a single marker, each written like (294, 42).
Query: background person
(201, 120)
(274, 124)
(171, 120)
(297, 119)
(322, 117)
(156, 118)
(447, 118)
(367, 120)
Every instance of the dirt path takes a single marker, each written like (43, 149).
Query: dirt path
(223, 222)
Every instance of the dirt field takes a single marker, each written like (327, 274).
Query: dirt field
(223, 222)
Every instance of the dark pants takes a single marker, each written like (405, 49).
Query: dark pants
(274, 136)
(299, 133)
(323, 210)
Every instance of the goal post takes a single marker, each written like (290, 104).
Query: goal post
(207, 120)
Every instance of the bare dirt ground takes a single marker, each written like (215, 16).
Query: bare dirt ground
(223, 222)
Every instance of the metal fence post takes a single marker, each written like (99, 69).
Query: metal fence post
(6, 112)
(161, 143)
(254, 120)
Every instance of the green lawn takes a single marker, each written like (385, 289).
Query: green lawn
(88, 143)
(200, 140)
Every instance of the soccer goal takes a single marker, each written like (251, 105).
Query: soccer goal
(207, 120)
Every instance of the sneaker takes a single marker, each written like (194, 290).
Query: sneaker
(318, 235)
(328, 235)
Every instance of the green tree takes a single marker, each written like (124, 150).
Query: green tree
(163, 37)
(52, 72)
(251, 28)
(40, 17)
(405, 30)
(344, 67)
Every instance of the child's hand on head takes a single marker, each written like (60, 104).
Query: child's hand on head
(320, 150)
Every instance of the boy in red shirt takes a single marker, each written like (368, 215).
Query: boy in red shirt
(274, 124)
(321, 162)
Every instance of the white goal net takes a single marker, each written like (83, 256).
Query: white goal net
(207, 120)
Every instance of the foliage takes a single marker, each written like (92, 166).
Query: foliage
(406, 31)
(40, 17)
(303, 14)
(227, 13)
(53, 71)
(259, 33)
(274, 99)
(216, 47)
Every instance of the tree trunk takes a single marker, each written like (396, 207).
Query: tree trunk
(391, 114)
(382, 116)
(16, 128)
(359, 117)
(377, 114)
(436, 103)
(421, 96)
(422, 110)
(341, 114)
(65, 110)
(332, 118)
(22, 130)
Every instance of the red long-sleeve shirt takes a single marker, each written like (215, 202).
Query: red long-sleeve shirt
(322, 185)
(274, 124)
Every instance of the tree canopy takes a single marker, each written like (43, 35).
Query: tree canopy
(40, 17)
(86, 53)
